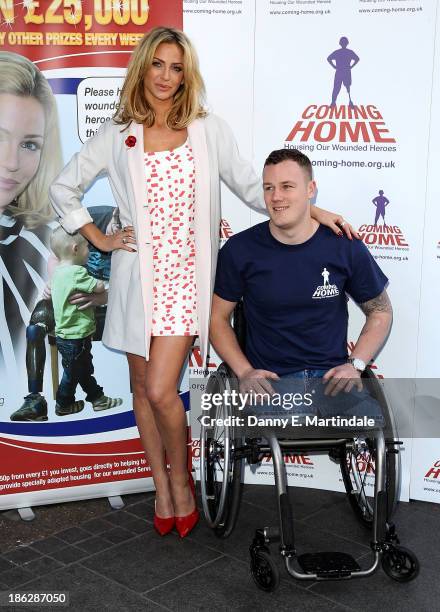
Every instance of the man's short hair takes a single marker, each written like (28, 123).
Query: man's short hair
(280, 155)
(61, 242)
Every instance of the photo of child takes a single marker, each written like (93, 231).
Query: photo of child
(42, 322)
(74, 328)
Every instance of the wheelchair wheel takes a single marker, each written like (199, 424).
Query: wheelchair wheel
(233, 500)
(400, 564)
(220, 474)
(358, 465)
(264, 570)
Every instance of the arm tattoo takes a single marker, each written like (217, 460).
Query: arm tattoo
(379, 304)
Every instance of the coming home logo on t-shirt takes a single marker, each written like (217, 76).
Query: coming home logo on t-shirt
(326, 290)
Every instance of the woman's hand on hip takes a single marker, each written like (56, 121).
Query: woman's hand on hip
(121, 239)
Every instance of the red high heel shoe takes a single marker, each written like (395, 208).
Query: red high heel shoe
(162, 525)
(184, 524)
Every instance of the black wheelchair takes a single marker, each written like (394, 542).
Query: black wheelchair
(225, 446)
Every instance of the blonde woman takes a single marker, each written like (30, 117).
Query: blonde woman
(164, 157)
(30, 158)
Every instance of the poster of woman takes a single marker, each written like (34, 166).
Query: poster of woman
(30, 158)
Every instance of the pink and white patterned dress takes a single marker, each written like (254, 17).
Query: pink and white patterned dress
(171, 198)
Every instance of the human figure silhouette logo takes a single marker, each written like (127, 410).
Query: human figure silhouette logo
(326, 290)
(380, 202)
(342, 60)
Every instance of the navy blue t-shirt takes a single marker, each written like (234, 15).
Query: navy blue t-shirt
(294, 296)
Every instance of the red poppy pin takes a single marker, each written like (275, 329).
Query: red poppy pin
(130, 141)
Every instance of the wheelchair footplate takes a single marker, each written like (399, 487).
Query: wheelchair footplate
(328, 565)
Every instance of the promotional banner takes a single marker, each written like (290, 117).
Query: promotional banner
(353, 121)
(425, 474)
(57, 453)
(360, 146)
(358, 99)
(227, 70)
(81, 33)
(367, 137)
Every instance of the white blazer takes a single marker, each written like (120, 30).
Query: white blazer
(216, 156)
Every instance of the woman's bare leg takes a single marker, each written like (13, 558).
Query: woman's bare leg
(167, 356)
(161, 420)
(150, 436)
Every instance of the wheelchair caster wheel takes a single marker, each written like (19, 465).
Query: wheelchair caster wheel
(264, 571)
(400, 564)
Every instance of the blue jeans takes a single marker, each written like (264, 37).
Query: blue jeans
(302, 393)
(78, 369)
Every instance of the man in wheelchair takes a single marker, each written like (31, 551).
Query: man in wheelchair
(293, 275)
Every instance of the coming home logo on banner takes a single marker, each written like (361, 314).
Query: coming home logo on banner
(380, 233)
(292, 459)
(434, 472)
(373, 365)
(337, 126)
(299, 469)
(431, 481)
(226, 231)
(196, 363)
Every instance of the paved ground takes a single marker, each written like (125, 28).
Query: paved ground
(114, 560)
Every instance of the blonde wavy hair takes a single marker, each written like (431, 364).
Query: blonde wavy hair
(20, 77)
(188, 100)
